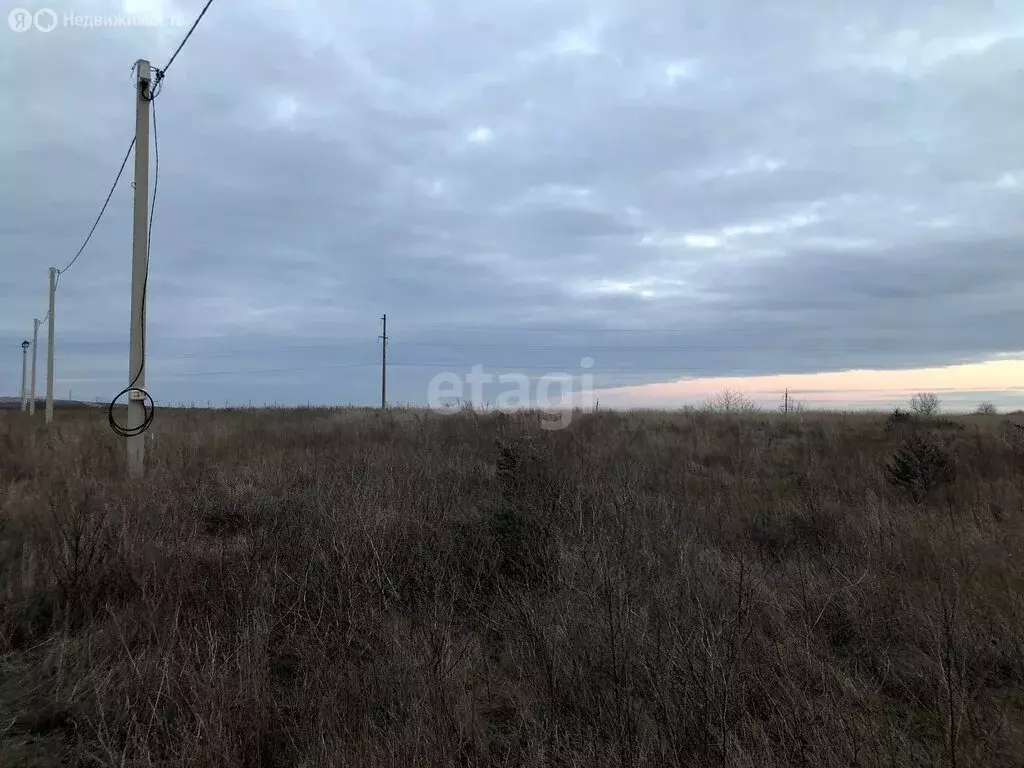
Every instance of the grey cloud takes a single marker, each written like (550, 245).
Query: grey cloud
(819, 189)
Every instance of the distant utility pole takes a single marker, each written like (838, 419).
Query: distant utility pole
(51, 324)
(136, 444)
(383, 338)
(785, 406)
(32, 386)
(24, 374)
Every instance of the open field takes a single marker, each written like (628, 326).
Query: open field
(335, 588)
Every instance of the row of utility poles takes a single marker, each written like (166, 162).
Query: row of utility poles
(28, 388)
(135, 442)
(135, 422)
(139, 416)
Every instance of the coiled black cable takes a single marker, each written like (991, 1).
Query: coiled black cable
(148, 408)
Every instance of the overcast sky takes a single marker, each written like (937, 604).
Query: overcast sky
(708, 188)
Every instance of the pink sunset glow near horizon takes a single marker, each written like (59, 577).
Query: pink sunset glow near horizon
(961, 387)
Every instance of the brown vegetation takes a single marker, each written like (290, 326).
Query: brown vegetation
(350, 587)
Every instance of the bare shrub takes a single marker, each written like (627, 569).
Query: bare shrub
(925, 404)
(731, 401)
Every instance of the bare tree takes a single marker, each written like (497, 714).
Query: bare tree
(925, 404)
(730, 401)
(987, 409)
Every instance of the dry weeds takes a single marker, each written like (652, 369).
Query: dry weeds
(334, 588)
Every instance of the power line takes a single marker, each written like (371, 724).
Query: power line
(161, 72)
(267, 370)
(102, 210)
(88, 237)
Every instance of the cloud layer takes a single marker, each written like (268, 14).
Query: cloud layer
(784, 188)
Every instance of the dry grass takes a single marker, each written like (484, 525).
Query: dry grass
(333, 588)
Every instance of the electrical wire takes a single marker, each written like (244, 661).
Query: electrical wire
(167, 66)
(92, 230)
(102, 211)
(375, 364)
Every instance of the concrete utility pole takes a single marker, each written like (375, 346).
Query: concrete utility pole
(32, 385)
(51, 324)
(24, 374)
(136, 445)
(384, 364)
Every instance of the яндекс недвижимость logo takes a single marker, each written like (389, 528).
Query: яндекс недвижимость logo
(46, 20)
